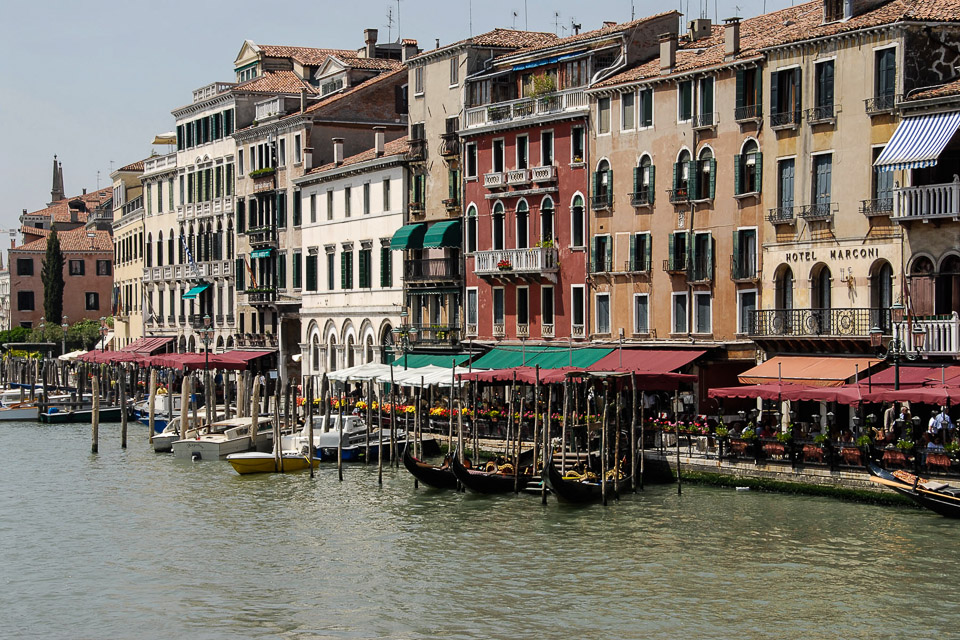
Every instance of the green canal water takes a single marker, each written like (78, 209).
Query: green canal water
(130, 544)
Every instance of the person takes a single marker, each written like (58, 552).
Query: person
(888, 418)
(933, 426)
(943, 421)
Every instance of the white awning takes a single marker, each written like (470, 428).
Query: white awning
(918, 141)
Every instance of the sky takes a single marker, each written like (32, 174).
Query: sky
(94, 81)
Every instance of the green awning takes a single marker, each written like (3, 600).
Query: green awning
(443, 235)
(195, 291)
(414, 360)
(261, 253)
(409, 236)
(546, 357)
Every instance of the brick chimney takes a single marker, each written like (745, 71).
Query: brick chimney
(338, 151)
(378, 140)
(668, 52)
(370, 40)
(409, 50)
(731, 38)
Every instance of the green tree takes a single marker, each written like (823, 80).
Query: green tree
(52, 276)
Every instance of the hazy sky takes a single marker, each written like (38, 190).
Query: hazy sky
(94, 81)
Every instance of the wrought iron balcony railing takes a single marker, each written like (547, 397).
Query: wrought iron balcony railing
(849, 322)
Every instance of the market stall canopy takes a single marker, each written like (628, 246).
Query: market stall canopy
(918, 141)
(771, 391)
(813, 371)
(647, 360)
(73, 355)
(416, 360)
(360, 373)
(644, 380)
(546, 357)
(409, 236)
(442, 235)
(147, 346)
(909, 377)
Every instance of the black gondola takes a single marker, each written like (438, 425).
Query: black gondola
(577, 491)
(488, 481)
(936, 496)
(428, 474)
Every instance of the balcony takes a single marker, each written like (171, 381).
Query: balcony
(785, 119)
(418, 150)
(578, 331)
(544, 174)
(927, 202)
(642, 198)
(262, 237)
(261, 340)
(268, 108)
(703, 121)
(677, 265)
(434, 334)
(822, 211)
(702, 270)
(159, 163)
(813, 323)
(416, 208)
(133, 205)
(450, 144)
(876, 207)
(547, 330)
(782, 215)
(527, 108)
(881, 104)
(264, 180)
(499, 330)
(679, 196)
(824, 114)
(516, 262)
(523, 330)
(601, 201)
(431, 270)
(743, 269)
(261, 295)
(518, 177)
(494, 180)
(943, 335)
(748, 113)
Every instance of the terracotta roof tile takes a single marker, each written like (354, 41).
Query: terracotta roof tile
(943, 91)
(276, 81)
(587, 35)
(27, 230)
(502, 38)
(366, 85)
(73, 240)
(133, 166)
(61, 209)
(400, 145)
(304, 55)
(357, 62)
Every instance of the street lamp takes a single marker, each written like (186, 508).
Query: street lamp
(206, 337)
(898, 348)
(63, 342)
(404, 333)
(103, 334)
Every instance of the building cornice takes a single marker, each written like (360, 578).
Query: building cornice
(368, 166)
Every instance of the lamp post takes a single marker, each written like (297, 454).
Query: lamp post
(403, 333)
(206, 337)
(63, 342)
(103, 334)
(898, 349)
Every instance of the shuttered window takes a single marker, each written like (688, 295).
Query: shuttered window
(311, 273)
(297, 278)
(365, 268)
(386, 267)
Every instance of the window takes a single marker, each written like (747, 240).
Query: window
(313, 217)
(523, 152)
(282, 270)
(24, 266)
(418, 81)
(523, 305)
(679, 313)
(705, 117)
(282, 209)
(785, 171)
(365, 273)
(746, 305)
(331, 271)
(546, 306)
(346, 269)
(602, 258)
(577, 222)
(744, 254)
(297, 208)
(282, 152)
(685, 101)
(702, 254)
(386, 267)
(641, 313)
(523, 225)
(313, 207)
(546, 148)
(471, 229)
(471, 160)
(627, 111)
(702, 304)
(603, 115)
(640, 252)
(386, 194)
(472, 310)
(311, 272)
(575, 73)
(785, 97)
(603, 313)
(707, 178)
(576, 145)
(347, 199)
(602, 186)
(833, 10)
(885, 78)
(93, 301)
(823, 91)
(748, 169)
(498, 311)
(546, 220)
(497, 156)
(882, 186)
(677, 251)
(297, 150)
(822, 170)
(578, 312)
(454, 71)
(684, 178)
(644, 180)
(103, 268)
(25, 301)
(77, 267)
(496, 221)
(297, 260)
(645, 108)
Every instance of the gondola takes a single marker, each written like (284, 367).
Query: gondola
(936, 496)
(428, 474)
(482, 481)
(577, 491)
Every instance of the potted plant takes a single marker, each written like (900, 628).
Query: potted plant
(543, 85)
(952, 449)
(505, 265)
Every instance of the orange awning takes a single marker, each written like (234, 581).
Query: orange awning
(813, 371)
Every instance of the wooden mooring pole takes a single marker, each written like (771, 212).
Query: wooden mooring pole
(95, 436)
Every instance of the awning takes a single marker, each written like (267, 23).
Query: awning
(432, 292)
(546, 357)
(545, 61)
(918, 141)
(237, 359)
(921, 395)
(416, 360)
(147, 346)
(909, 377)
(442, 235)
(647, 360)
(260, 253)
(849, 395)
(409, 236)
(195, 291)
(814, 371)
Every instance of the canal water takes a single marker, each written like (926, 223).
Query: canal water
(130, 544)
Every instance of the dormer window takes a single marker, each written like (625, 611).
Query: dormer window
(832, 10)
(247, 73)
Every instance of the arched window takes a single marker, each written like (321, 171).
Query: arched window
(497, 221)
(171, 258)
(148, 259)
(748, 168)
(948, 286)
(523, 225)
(821, 280)
(683, 177)
(577, 226)
(643, 182)
(229, 240)
(315, 353)
(602, 186)
(546, 220)
(707, 178)
(368, 350)
(351, 350)
(331, 355)
(160, 248)
(471, 229)
(784, 289)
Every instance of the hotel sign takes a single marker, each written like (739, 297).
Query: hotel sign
(859, 253)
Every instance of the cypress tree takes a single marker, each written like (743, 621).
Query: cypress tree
(52, 276)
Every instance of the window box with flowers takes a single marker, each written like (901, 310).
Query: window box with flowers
(505, 265)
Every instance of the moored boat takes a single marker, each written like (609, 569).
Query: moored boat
(23, 411)
(939, 497)
(220, 439)
(578, 489)
(492, 478)
(261, 462)
(55, 416)
(428, 474)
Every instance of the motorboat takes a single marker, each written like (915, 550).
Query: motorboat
(163, 441)
(22, 411)
(161, 410)
(351, 438)
(222, 438)
(291, 458)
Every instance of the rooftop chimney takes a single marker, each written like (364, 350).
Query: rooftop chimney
(338, 151)
(370, 39)
(731, 38)
(668, 52)
(609, 23)
(409, 49)
(699, 28)
(378, 140)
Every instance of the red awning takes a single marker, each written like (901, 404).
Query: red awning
(646, 360)
(147, 346)
(773, 391)
(812, 371)
(920, 395)
(237, 359)
(909, 376)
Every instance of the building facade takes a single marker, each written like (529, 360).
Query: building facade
(128, 258)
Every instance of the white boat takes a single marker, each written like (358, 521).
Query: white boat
(220, 439)
(163, 441)
(18, 395)
(325, 441)
(25, 411)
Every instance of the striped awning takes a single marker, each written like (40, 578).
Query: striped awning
(918, 141)
(195, 291)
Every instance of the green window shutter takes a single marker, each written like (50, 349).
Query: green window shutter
(609, 261)
(758, 169)
(282, 271)
(797, 90)
(647, 258)
(710, 255)
(671, 249)
(297, 208)
(774, 104)
(451, 185)
(343, 270)
(593, 254)
(596, 183)
(229, 185)
(170, 192)
(676, 176)
(350, 269)
(147, 199)
(690, 239)
(239, 268)
(311, 273)
(740, 89)
(363, 269)
(609, 187)
(736, 254)
(736, 175)
(296, 270)
(713, 177)
(385, 275)
(693, 184)
(636, 179)
(633, 252)
(653, 184)
(758, 86)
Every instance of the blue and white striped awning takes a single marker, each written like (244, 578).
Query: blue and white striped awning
(918, 141)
